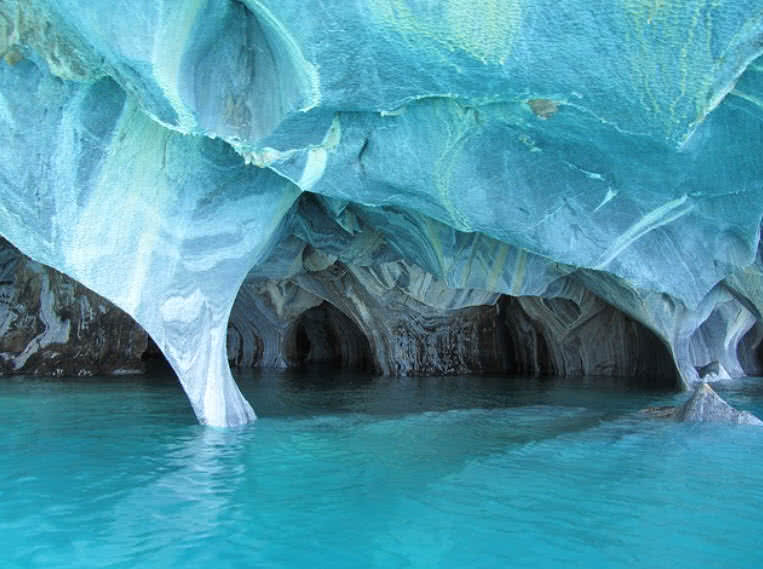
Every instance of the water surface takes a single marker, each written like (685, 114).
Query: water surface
(352, 471)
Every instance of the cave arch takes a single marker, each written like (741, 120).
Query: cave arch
(324, 336)
(562, 337)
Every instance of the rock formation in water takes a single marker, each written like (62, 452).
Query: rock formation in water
(706, 406)
(580, 181)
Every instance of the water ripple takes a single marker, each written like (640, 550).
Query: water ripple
(388, 474)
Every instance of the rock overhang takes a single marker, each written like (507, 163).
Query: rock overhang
(157, 155)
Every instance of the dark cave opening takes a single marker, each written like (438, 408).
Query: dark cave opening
(750, 351)
(323, 336)
(558, 337)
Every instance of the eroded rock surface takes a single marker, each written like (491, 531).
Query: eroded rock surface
(706, 406)
(435, 156)
(51, 325)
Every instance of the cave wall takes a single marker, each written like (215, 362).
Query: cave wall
(164, 157)
(416, 326)
(392, 318)
(52, 325)
(260, 321)
(584, 336)
(323, 336)
(750, 351)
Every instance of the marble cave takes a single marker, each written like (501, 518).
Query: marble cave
(399, 187)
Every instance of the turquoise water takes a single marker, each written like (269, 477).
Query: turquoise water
(349, 471)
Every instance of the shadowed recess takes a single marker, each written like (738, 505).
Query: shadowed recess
(750, 351)
(558, 337)
(324, 336)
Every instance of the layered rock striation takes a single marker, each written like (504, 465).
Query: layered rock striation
(581, 182)
(52, 325)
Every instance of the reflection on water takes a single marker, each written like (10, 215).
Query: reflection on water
(353, 471)
(289, 393)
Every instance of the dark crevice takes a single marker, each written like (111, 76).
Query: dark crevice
(323, 336)
(154, 360)
(361, 152)
(750, 351)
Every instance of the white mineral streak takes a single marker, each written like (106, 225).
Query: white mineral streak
(317, 158)
(666, 213)
(55, 330)
(610, 195)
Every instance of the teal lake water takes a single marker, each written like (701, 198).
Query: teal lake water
(355, 472)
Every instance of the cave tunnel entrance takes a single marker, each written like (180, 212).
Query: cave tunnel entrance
(750, 351)
(557, 337)
(323, 336)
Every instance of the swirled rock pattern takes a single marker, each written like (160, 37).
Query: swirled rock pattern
(51, 325)
(167, 154)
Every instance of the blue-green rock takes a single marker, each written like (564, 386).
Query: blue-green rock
(156, 151)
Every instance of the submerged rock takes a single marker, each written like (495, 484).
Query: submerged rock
(706, 406)
(663, 412)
